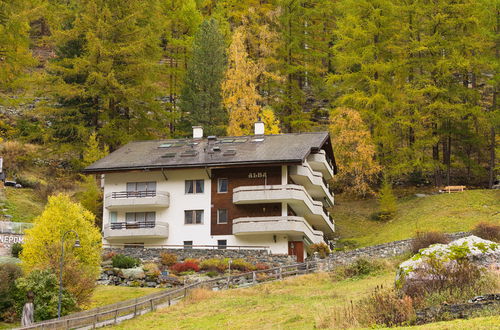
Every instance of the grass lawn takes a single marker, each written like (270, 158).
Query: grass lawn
(443, 212)
(295, 303)
(106, 294)
(23, 204)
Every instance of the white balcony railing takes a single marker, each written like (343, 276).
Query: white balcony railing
(132, 199)
(312, 180)
(319, 162)
(117, 230)
(291, 225)
(295, 195)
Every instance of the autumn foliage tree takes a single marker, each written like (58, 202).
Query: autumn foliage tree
(42, 247)
(239, 88)
(354, 152)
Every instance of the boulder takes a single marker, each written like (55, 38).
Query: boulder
(480, 252)
(133, 273)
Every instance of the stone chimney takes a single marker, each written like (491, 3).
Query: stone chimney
(197, 132)
(259, 128)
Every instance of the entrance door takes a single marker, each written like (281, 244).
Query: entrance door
(296, 248)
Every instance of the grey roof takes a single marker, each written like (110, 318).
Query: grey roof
(223, 151)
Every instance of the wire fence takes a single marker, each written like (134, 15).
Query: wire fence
(128, 309)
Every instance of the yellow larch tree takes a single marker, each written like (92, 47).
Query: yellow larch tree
(354, 152)
(240, 96)
(271, 123)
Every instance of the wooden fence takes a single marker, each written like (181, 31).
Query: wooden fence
(128, 309)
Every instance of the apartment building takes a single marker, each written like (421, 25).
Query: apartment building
(258, 190)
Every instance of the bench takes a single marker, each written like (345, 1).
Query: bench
(450, 189)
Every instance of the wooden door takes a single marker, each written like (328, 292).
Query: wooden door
(296, 248)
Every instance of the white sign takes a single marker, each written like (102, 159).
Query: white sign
(6, 241)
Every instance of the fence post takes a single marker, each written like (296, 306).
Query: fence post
(307, 267)
(254, 277)
(152, 305)
(116, 315)
(135, 308)
(281, 273)
(168, 300)
(95, 321)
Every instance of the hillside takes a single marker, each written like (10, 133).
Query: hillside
(443, 212)
(303, 302)
(22, 204)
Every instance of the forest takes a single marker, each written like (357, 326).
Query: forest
(407, 88)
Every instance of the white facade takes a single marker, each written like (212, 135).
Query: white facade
(170, 201)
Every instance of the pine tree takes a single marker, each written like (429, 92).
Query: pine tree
(15, 56)
(201, 98)
(181, 20)
(93, 152)
(105, 75)
(387, 201)
(238, 88)
(354, 152)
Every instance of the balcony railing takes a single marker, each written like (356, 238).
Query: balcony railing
(131, 230)
(9, 227)
(133, 194)
(132, 225)
(131, 199)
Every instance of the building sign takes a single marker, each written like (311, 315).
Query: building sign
(257, 175)
(6, 242)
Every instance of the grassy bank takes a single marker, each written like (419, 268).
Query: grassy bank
(105, 294)
(443, 212)
(23, 204)
(295, 303)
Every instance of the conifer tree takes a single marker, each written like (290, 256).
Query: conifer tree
(201, 98)
(354, 151)
(15, 56)
(387, 201)
(105, 73)
(271, 123)
(238, 88)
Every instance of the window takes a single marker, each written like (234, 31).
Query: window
(113, 217)
(222, 185)
(188, 244)
(194, 186)
(141, 186)
(192, 217)
(222, 244)
(222, 216)
(140, 216)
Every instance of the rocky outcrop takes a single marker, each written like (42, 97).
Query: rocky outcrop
(431, 263)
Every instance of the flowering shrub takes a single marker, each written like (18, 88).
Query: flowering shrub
(188, 265)
(322, 249)
(242, 265)
(261, 266)
(215, 265)
(168, 259)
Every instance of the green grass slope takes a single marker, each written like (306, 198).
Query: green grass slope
(22, 204)
(443, 212)
(295, 303)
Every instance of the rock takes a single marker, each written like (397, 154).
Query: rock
(421, 195)
(481, 252)
(133, 273)
(151, 284)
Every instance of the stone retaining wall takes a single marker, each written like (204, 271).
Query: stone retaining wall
(446, 312)
(385, 250)
(252, 256)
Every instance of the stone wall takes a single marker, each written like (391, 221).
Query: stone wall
(479, 304)
(385, 250)
(252, 256)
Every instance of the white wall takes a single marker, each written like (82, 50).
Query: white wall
(174, 214)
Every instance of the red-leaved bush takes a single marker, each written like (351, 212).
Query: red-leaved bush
(185, 266)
